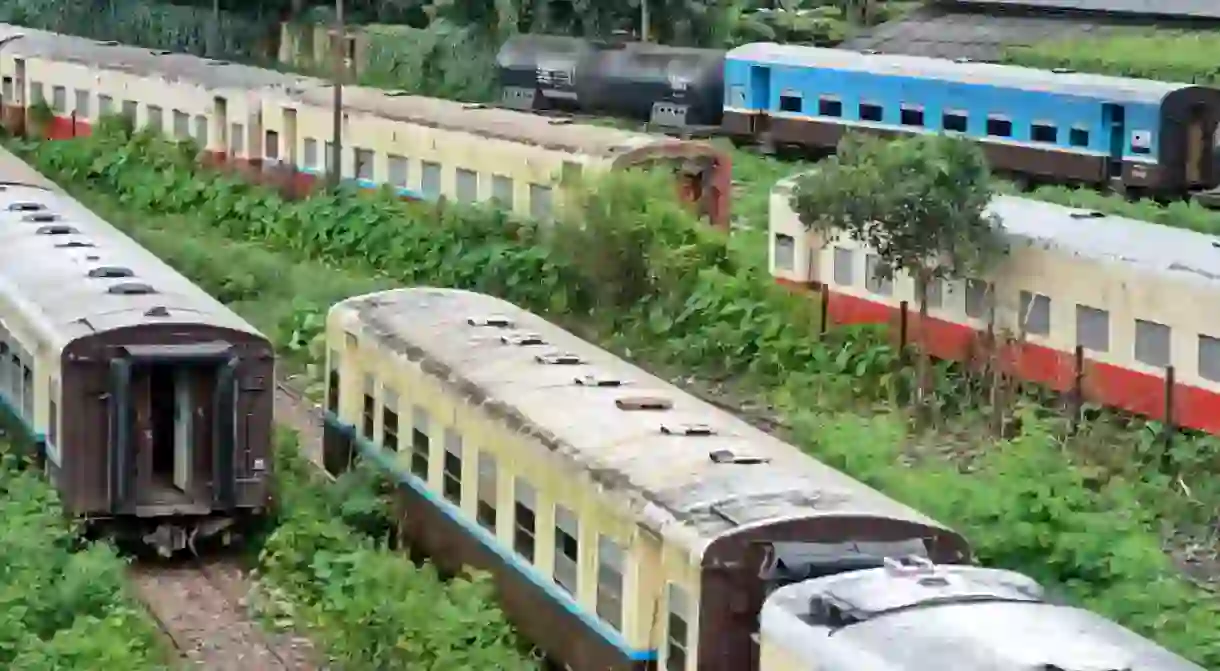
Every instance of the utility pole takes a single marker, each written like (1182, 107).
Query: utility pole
(644, 20)
(340, 55)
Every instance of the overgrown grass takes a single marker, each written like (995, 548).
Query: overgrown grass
(1146, 53)
(1077, 510)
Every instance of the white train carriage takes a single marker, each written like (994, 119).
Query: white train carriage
(914, 616)
(1102, 305)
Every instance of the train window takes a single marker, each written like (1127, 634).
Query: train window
(999, 126)
(524, 520)
(389, 420)
(911, 116)
(936, 293)
(430, 182)
(1141, 141)
(332, 384)
(1152, 343)
(567, 548)
(364, 164)
(15, 381)
(785, 251)
(36, 94)
(155, 123)
(7, 90)
(237, 140)
(81, 106)
(467, 186)
(676, 630)
(369, 411)
(27, 392)
(610, 569)
(182, 125)
(131, 109)
(844, 271)
(540, 201)
(874, 279)
(1035, 313)
(502, 190)
(1209, 358)
(978, 299)
(871, 112)
(59, 99)
(485, 508)
(1079, 137)
(1092, 328)
(4, 383)
(105, 105)
(955, 122)
(421, 443)
(311, 153)
(790, 103)
(451, 482)
(201, 131)
(53, 420)
(398, 170)
(830, 107)
(1044, 132)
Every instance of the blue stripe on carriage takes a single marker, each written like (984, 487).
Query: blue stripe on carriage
(385, 461)
(370, 184)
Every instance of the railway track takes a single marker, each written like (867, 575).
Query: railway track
(200, 605)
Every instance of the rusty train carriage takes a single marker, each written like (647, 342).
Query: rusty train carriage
(626, 522)
(281, 125)
(149, 401)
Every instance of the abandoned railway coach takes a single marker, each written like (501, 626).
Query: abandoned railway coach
(149, 401)
(1099, 306)
(626, 523)
(1057, 126)
(426, 148)
(915, 616)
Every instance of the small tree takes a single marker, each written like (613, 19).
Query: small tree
(918, 203)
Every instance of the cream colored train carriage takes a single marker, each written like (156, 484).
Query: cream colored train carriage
(624, 520)
(1105, 306)
(282, 124)
(914, 616)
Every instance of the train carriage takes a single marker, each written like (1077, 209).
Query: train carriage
(148, 401)
(626, 522)
(914, 616)
(1101, 306)
(1149, 136)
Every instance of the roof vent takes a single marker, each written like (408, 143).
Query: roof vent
(111, 272)
(595, 380)
(731, 457)
(643, 403)
(160, 52)
(26, 207)
(522, 339)
(157, 311)
(1088, 214)
(963, 59)
(562, 122)
(474, 106)
(216, 62)
(869, 52)
(1063, 71)
(56, 229)
(559, 359)
(687, 430)
(74, 244)
(44, 218)
(131, 289)
(108, 43)
(497, 321)
(397, 93)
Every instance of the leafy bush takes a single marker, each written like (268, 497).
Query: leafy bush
(65, 606)
(1035, 503)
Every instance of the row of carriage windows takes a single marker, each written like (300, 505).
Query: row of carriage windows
(611, 556)
(185, 126)
(1152, 345)
(954, 121)
(17, 378)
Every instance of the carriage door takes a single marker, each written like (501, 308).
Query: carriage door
(184, 406)
(1198, 151)
(760, 97)
(222, 125)
(1115, 121)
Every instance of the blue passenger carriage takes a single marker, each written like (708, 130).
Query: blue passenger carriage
(1149, 136)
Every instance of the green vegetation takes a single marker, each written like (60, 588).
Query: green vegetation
(65, 604)
(1164, 55)
(1078, 510)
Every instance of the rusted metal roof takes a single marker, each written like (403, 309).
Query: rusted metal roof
(690, 472)
(74, 274)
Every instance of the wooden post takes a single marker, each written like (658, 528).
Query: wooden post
(1077, 399)
(903, 318)
(825, 311)
(340, 55)
(1169, 427)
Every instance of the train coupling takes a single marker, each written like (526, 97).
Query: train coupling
(169, 539)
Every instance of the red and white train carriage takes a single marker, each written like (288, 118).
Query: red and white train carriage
(1114, 306)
